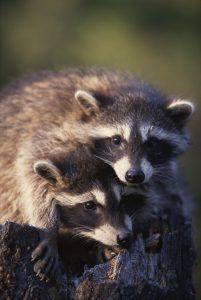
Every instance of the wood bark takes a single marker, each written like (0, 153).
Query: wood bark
(163, 273)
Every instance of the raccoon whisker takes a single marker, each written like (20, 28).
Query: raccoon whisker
(140, 214)
(162, 176)
(86, 239)
(83, 238)
(136, 191)
(135, 213)
(162, 171)
(82, 227)
(79, 229)
(133, 216)
(114, 179)
(159, 174)
(105, 160)
(79, 233)
(161, 165)
(97, 243)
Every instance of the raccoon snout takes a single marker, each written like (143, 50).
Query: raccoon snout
(135, 176)
(124, 241)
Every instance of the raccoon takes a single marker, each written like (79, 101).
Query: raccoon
(143, 146)
(71, 196)
(141, 137)
(129, 125)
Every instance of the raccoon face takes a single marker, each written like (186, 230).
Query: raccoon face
(98, 215)
(95, 213)
(140, 137)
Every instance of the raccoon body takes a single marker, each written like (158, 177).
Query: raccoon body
(145, 151)
(133, 128)
(45, 114)
(74, 197)
(129, 125)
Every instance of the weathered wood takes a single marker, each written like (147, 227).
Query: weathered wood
(17, 277)
(165, 274)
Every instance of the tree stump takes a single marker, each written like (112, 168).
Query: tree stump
(164, 273)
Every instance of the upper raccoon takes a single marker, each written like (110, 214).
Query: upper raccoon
(141, 138)
(144, 137)
(130, 125)
(140, 133)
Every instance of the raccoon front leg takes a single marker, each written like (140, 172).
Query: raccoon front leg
(46, 213)
(105, 253)
(45, 255)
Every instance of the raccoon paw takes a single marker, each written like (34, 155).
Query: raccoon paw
(106, 254)
(45, 258)
(109, 254)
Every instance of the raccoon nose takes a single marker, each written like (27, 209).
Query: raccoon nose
(124, 241)
(135, 176)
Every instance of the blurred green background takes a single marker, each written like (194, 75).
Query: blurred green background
(157, 40)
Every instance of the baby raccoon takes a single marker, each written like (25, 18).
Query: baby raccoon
(144, 148)
(66, 197)
(93, 213)
(141, 134)
(141, 137)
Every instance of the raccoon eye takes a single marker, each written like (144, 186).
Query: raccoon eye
(90, 205)
(153, 144)
(116, 140)
(158, 151)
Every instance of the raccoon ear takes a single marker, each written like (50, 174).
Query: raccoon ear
(47, 170)
(87, 102)
(180, 111)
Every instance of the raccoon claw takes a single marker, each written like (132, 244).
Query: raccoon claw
(107, 254)
(40, 250)
(51, 267)
(45, 258)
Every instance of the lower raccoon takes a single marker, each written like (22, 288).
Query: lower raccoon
(70, 194)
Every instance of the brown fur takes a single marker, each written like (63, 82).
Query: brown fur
(38, 117)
